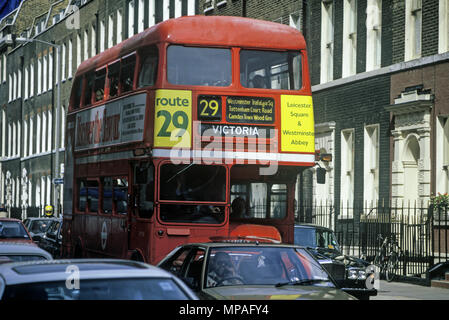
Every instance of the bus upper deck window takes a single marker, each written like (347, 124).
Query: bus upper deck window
(100, 77)
(78, 87)
(199, 66)
(271, 69)
(148, 70)
(88, 89)
(127, 74)
(113, 78)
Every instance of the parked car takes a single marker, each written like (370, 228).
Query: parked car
(348, 271)
(51, 241)
(222, 270)
(13, 251)
(37, 227)
(89, 279)
(13, 230)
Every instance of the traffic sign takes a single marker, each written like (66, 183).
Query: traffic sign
(58, 181)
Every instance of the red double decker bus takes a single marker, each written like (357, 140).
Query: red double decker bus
(194, 129)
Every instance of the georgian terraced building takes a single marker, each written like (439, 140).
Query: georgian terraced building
(28, 83)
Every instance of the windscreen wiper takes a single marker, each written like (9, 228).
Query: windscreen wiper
(301, 282)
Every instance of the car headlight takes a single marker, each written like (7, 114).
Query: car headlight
(352, 274)
(355, 274)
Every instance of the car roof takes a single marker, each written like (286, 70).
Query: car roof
(241, 244)
(42, 218)
(311, 226)
(10, 219)
(59, 270)
(22, 248)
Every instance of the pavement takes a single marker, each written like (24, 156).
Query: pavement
(407, 291)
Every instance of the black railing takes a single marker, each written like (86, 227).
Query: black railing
(421, 231)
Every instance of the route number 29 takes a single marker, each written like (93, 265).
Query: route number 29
(209, 108)
(179, 119)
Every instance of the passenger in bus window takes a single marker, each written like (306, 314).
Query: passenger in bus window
(258, 82)
(238, 208)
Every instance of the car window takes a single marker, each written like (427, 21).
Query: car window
(263, 266)
(99, 289)
(38, 226)
(12, 230)
(176, 262)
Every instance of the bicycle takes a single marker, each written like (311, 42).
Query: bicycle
(388, 256)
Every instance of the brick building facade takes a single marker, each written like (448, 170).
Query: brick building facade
(28, 83)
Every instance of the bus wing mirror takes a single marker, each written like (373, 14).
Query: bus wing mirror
(321, 175)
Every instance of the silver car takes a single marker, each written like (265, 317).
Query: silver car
(17, 251)
(89, 279)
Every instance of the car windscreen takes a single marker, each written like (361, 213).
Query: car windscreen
(27, 257)
(12, 230)
(305, 237)
(39, 226)
(98, 289)
(263, 265)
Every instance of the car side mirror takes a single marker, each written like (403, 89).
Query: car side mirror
(321, 175)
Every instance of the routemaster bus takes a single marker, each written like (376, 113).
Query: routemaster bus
(195, 128)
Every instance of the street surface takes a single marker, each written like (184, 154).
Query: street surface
(407, 291)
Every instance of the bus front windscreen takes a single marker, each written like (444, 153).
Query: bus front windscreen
(270, 69)
(199, 66)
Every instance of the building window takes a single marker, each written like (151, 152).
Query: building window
(371, 165)
(327, 40)
(93, 41)
(63, 59)
(4, 133)
(39, 75)
(63, 120)
(14, 86)
(44, 131)
(373, 34)
(443, 38)
(38, 136)
(349, 37)
(31, 79)
(102, 36)
(50, 129)
(413, 21)
(119, 26)
(78, 50)
(70, 60)
(31, 135)
(208, 6)
(25, 137)
(347, 173)
(165, 9)
(151, 13)
(19, 84)
(111, 31)
(130, 18)
(45, 73)
(26, 84)
(10, 86)
(4, 67)
(140, 16)
(442, 156)
(86, 44)
(50, 70)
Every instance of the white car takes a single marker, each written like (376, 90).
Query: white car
(19, 251)
(89, 279)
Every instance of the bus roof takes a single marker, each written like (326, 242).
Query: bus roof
(205, 30)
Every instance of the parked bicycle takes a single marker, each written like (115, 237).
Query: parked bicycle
(388, 256)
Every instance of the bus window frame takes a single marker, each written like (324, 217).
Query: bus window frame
(304, 81)
(140, 61)
(161, 201)
(108, 80)
(104, 99)
(115, 212)
(78, 196)
(135, 74)
(164, 65)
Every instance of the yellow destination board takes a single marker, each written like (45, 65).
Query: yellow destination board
(173, 118)
(297, 125)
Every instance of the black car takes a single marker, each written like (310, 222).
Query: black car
(52, 239)
(347, 271)
(37, 227)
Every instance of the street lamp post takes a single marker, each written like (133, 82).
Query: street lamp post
(57, 116)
